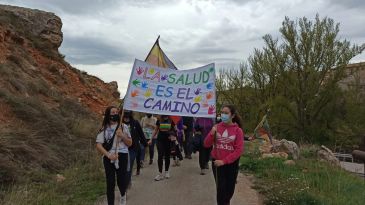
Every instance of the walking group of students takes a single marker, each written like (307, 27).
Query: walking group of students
(123, 143)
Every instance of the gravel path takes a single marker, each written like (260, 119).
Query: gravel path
(186, 186)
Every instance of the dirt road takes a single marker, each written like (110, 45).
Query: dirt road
(186, 186)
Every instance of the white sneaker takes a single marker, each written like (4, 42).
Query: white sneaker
(123, 200)
(167, 175)
(159, 177)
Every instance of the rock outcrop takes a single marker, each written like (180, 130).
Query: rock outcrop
(325, 154)
(50, 112)
(286, 146)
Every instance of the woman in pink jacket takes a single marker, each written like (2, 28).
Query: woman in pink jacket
(227, 141)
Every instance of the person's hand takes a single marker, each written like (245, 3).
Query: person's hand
(112, 157)
(213, 131)
(119, 133)
(218, 163)
(149, 142)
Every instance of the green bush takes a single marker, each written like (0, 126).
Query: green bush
(307, 182)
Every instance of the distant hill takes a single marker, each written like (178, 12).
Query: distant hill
(49, 111)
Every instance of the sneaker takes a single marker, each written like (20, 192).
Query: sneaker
(138, 172)
(202, 172)
(167, 175)
(151, 161)
(123, 200)
(159, 177)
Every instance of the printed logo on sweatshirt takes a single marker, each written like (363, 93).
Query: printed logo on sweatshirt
(224, 140)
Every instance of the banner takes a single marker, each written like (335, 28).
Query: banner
(164, 91)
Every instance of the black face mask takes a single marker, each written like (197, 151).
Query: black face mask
(114, 118)
(149, 116)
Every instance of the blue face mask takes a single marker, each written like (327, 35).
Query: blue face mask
(225, 118)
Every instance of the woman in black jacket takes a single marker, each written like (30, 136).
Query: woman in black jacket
(138, 138)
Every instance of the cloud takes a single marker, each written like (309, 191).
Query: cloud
(92, 51)
(109, 34)
(349, 4)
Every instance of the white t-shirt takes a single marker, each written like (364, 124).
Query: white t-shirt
(147, 130)
(122, 148)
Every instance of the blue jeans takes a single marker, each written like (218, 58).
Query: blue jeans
(132, 158)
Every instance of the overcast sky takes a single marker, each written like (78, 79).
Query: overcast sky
(103, 37)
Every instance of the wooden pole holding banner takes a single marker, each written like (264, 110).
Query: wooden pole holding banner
(120, 124)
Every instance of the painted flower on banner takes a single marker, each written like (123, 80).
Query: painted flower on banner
(151, 71)
(198, 99)
(148, 93)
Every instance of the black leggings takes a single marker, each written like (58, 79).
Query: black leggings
(163, 149)
(225, 178)
(111, 171)
(204, 154)
(187, 144)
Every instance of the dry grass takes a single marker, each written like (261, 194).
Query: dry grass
(43, 138)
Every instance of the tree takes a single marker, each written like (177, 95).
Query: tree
(296, 76)
(234, 88)
(299, 72)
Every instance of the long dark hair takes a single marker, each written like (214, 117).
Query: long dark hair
(236, 119)
(106, 120)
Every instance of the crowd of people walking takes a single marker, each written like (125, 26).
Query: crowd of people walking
(124, 140)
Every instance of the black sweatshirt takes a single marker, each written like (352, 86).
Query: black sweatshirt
(137, 134)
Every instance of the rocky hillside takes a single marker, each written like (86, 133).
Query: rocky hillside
(49, 111)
